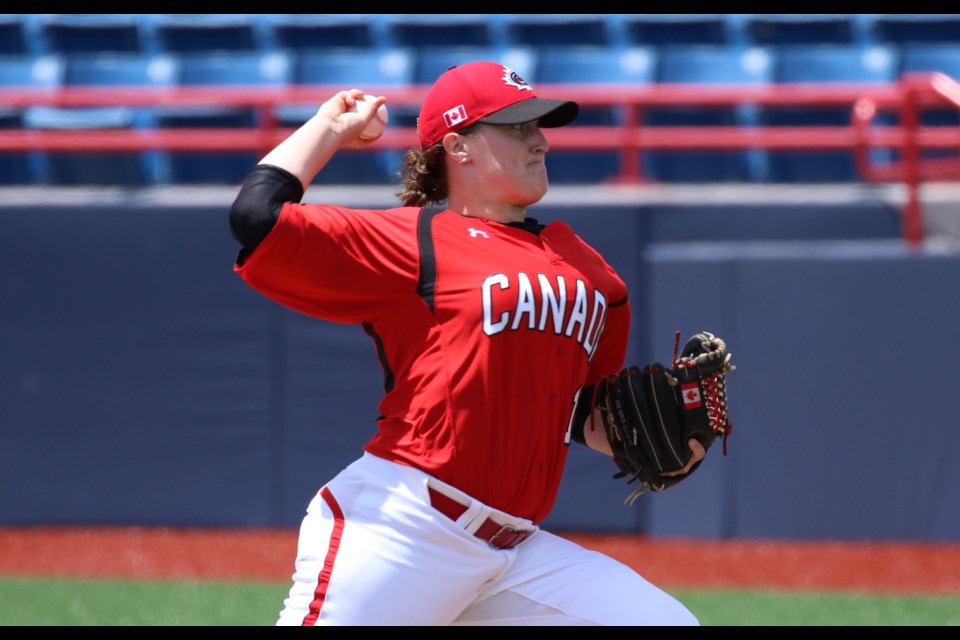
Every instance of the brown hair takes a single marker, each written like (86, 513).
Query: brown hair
(424, 173)
(424, 177)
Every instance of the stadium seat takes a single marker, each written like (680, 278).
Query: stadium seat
(32, 72)
(786, 29)
(372, 70)
(38, 73)
(431, 63)
(823, 64)
(15, 168)
(587, 65)
(355, 68)
(102, 168)
(422, 31)
(90, 33)
(835, 64)
(193, 33)
(13, 40)
(237, 69)
(708, 65)
(303, 32)
(907, 28)
(561, 29)
(930, 58)
(665, 29)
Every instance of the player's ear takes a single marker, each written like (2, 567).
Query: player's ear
(455, 145)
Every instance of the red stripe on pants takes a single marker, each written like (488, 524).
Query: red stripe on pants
(323, 580)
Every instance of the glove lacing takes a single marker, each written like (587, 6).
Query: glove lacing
(714, 390)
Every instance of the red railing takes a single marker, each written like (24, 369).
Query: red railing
(906, 99)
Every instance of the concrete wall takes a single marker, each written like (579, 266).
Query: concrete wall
(141, 382)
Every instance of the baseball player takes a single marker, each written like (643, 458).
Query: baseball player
(488, 326)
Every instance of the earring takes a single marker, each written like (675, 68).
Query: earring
(464, 160)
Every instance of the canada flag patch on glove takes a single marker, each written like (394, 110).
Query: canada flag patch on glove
(690, 392)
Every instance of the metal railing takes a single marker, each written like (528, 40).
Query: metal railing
(906, 99)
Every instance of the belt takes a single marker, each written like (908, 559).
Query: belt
(501, 536)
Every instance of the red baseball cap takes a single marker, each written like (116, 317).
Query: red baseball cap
(485, 92)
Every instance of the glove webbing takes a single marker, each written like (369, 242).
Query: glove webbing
(715, 394)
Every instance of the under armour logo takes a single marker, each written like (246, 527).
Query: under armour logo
(477, 232)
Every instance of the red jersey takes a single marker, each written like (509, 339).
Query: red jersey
(486, 333)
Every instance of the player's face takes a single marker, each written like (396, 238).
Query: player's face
(511, 158)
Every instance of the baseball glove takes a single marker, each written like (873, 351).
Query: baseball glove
(650, 414)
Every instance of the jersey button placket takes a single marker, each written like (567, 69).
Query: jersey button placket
(546, 240)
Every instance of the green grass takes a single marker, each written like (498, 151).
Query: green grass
(37, 602)
(42, 602)
(777, 608)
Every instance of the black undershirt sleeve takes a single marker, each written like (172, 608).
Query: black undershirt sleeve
(581, 414)
(256, 208)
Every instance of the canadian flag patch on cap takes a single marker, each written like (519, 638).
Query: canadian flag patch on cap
(455, 116)
(691, 395)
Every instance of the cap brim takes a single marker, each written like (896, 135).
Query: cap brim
(548, 112)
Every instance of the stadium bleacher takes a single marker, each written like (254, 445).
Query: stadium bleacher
(47, 51)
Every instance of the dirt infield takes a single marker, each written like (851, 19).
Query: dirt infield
(267, 555)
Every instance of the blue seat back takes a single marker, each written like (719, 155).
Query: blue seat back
(666, 29)
(545, 30)
(91, 33)
(710, 65)
(424, 31)
(304, 32)
(786, 29)
(851, 64)
(431, 63)
(226, 69)
(13, 39)
(907, 28)
(193, 33)
(590, 65)
(44, 73)
(373, 70)
(106, 168)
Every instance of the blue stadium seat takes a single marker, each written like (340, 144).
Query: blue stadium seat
(665, 29)
(907, 28)
(13, 39)
(431, 63)
(559, 29)
(930, 58)
(823, 64)
(876, 64)
(303, 32)
(264, 69)
(34, 73)
(354, 68)
(584, 65)
(786, 29)
(15, 168)
(89, 33)
(708, 65)
(421, 31)
(194, 33)
(372, 70)
(103, 168)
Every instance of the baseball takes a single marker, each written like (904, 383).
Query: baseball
(376, 126)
